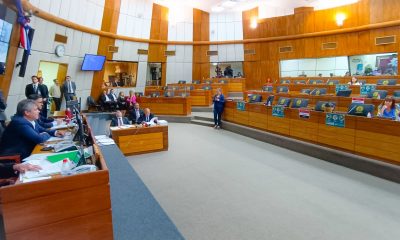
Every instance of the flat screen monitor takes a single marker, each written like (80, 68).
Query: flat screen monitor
(93, 62)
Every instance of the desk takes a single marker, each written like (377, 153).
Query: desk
(372, 137)
(59, 114)
(141, 140)
(65, 207)
(233, 84)
(167, 105)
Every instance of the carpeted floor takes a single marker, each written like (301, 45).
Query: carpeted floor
(220, 185)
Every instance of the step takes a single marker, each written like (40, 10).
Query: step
(203, 118)
(202, 123)
(175, 118)
(202, 109)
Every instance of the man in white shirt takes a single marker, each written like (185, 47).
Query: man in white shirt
(119, 120)
(55, 93)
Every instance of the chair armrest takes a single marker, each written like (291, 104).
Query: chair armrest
(16, 158)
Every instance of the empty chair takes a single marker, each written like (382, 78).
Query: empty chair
(332, 82)
(282, 89)
(300, 82)
(267, 88)
(182, 82)
(283, 101)
(305, 91)
(361, 109)
(344, 93)
(387, 82)
(299, 103)
(318, 91)
(396, 94)
(169, 93)
(223, 81)
(320, 105)
(315, 81)
(154, 94)
(207, 87)
(196, 81)
(285, 81)
(378, 94)
(255, 98)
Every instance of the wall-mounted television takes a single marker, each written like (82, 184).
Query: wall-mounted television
(7, 17)
(93, 62)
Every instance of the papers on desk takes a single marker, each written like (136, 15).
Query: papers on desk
(103, 140)
(63, 125)
(48, 168)
(122, 127)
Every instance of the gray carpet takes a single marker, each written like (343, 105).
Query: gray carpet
(220, 185)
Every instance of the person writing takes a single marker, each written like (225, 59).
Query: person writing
(219, 103)
(147, 115)
(388, 109)
(23, 132)
(119, 120)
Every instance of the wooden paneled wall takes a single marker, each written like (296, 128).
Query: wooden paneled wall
(265, 62)
(201, 32)
(159, 31)
(109, 24)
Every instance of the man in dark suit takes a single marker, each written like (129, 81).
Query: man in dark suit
(45, 95)
(23, 132)
(147, 115)
(136, 115)
(3, 106)
(44, 121)
(68, 89)
(33, 88)
(118, 120)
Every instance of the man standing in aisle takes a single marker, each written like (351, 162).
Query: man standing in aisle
(68, 89)
(33, 88)
(55, 92)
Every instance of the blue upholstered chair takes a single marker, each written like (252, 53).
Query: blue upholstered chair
(362, 82)
(332, 82)
(305, 91)
(361, 109)
(196, 81)
(154, 94)
(285, 81)
(320, 105)
(254, 98)
(284, 101)
(299, 103)
(299, 81)
(396, 94)
(344, 93)
(169, 93)
(270, 100)
(282, 89)
(182, 82)
(208, 81)
(207, 87)
(315, 81)
(318, 92)
(267, 88)
(378, 94)
(386, 82)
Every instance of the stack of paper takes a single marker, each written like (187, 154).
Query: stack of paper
(103, 140)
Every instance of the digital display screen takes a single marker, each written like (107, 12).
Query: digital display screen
(93, 62)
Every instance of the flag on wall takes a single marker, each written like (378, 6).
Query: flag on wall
(24, 27)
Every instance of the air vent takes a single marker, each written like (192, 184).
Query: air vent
(249, 51)
(212, 53)
(329, 45)
(285, 49)
(385, 40)
(113, 49)
(142, 52)
(169, 53)
(60, 38)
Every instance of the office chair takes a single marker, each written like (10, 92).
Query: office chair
(267, 88)
(255, 98)
(332, 82)
(282, 89)
(299, 103)
(315, 81)
(378, 94)
(387, 82)
(284, 101)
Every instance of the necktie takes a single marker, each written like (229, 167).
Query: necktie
(119, 121)
(69, 87)
(34, 88)
(137, 115)
(147, 118)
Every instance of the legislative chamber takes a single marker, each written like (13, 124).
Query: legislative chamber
(222, 119)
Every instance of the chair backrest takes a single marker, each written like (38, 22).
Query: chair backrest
(300, 82)
(299, 103)
(208, 81)
(169, 93)
(362, 82)
(387, 82)
(332, 82)
(90, 101)
(318, 91)
(255, 98)
(320, 105)
(184, 94)
(207, 87)
(283, 89)
(284, 101)
(361, 109)
(305, 91)
(378, 94)
(154, 94)
(396, 94)
(223, 81)
(182, 82)
(196, 81)
(344, 93)
(138, 94)
(285, 81)
(315, 81)
(267, 88)
(270, 100)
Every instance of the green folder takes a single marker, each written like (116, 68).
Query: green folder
(73, 156)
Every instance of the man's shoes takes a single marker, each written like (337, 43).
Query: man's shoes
(215, 126)
(218, 127)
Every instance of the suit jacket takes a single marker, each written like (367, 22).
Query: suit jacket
(20, 137)
(104, 99)
(3, 106)
(148, 120)
(44, 91)
(219, 105)
(64, 87)
(132, 116)
(113, 97)
(114, 121)
(29, 90)
(45, 122)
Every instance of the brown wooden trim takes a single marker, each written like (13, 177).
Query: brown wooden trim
(51, 18)
(60, 38)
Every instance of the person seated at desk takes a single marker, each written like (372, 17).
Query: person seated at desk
(121, 101)
(388, 110)
(113, 97)
(43, 121)
(136, 115)
(106, 100)
(118, 120)
(147, 115)
(8, 170)
(23, 132)
(353, 81)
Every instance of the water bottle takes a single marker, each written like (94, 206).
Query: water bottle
(65, 167)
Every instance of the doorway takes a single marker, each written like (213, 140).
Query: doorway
(154, 74)
(50, 71)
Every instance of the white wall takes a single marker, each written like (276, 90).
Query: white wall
(88, 13)
(135, 18)
(180, 28)
(314, 66)
(43, 47)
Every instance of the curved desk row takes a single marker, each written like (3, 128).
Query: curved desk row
(372, 137)
(167, 105)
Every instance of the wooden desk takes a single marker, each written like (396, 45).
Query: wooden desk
(201, 97)
(372, 137)
(59, 114)
(141, 140)
(167, 105)
(233, 84)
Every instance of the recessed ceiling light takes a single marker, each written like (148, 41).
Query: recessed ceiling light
(217, 9)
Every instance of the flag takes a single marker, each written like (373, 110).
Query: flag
(24, 27)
